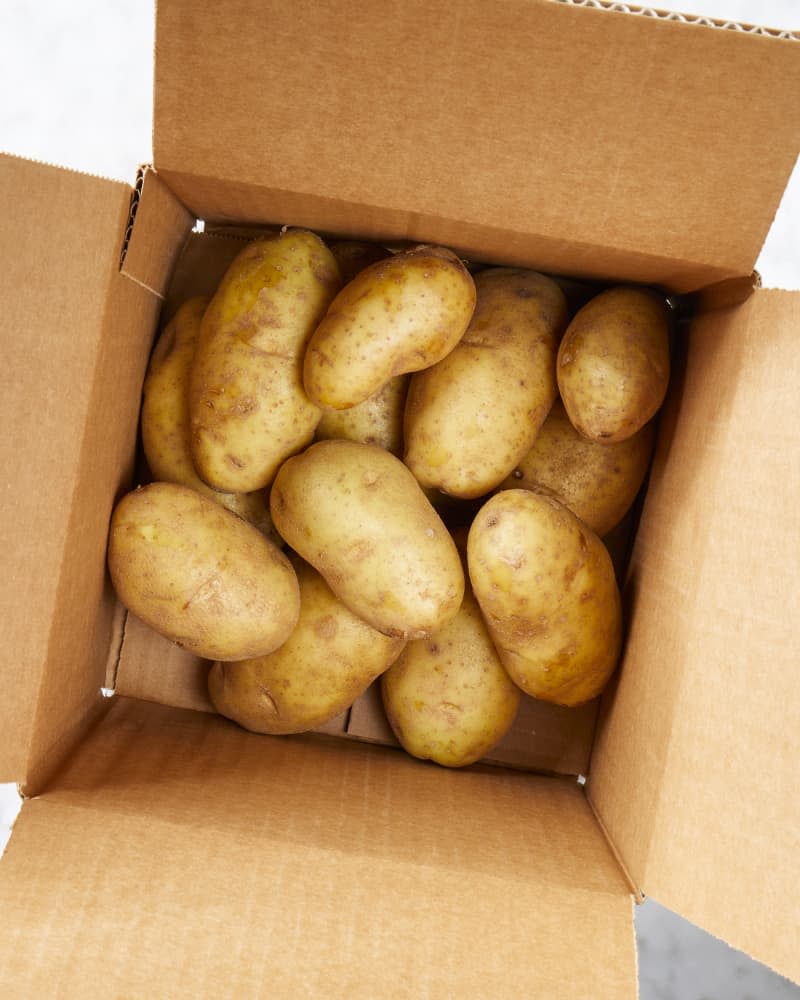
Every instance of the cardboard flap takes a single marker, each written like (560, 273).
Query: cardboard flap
(183, 851)
(561, 130)
(76, 334)
(694, 768)
(59, 243)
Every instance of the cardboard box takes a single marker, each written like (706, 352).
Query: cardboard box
(163, 852)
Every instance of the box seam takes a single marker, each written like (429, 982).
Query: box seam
(636, 893)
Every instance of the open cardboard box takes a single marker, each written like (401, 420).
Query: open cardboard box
(161, 851)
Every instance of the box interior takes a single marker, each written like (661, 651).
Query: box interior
(690, 771)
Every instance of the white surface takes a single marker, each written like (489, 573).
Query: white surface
(77, 85)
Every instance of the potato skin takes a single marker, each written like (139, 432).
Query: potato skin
(200, 575)
(378, 420)
(396, 316)
(330, 658)
(246, 400)
(598, 482)
(546, 587)
(448, 697)
(359, 517)
(613, 363)
(166, 434)
(470, 418)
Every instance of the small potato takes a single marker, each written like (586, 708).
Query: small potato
(470, 418)
(598, 482)
(447, 697)
(330, 659)
(546, 587)
(359, 517)
(397, 316)
(166, 435)
(199, 575)
(613, 363)
(247, 405)
(378, 420)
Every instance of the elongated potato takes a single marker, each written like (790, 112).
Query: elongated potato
(200, 575)
(470, 418)
(331, 658)
(448, 697)
(246, 401)
(396, 316)
(359, 517)
(613, 363)
(546, 587)
(378, 420)
(598, 482)
(166, 435)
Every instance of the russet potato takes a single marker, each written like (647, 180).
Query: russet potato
(471, 417)
(396, 316)
(200, 575)
(597, 481)
(359, 517)
(330, 658)
(247, 404)
(166, 435)
(546, 587)
(613, 363)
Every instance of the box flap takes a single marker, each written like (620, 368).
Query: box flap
(75, 339)
(300, 867)
(560, 130)
(694, 768)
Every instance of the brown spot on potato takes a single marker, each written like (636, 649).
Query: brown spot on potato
(326, 628)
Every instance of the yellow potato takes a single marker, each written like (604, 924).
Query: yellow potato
(200, 575)
(470, 418)
(378, 420)
(396, 316)
(598, 482)
(546, 587)
(613, 363)
(359, 517)
(448, 697)
(330, 658)
(246, 400)
(165, 417)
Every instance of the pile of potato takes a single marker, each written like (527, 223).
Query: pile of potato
(444, 528)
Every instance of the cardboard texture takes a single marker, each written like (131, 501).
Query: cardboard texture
(185, 851)
(562, 130)
(289, 867)
(694, 768)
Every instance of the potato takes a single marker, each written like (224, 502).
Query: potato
(597, 481)
(613, 363)
(396, 316)
(199, 575)
(470, 418)
(547, 590)
(330, 658)
(378, 420)
(246, 400)
(448, 697)
(165, 417)
(359, 517)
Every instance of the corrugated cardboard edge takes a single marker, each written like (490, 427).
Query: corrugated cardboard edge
(695, 19)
